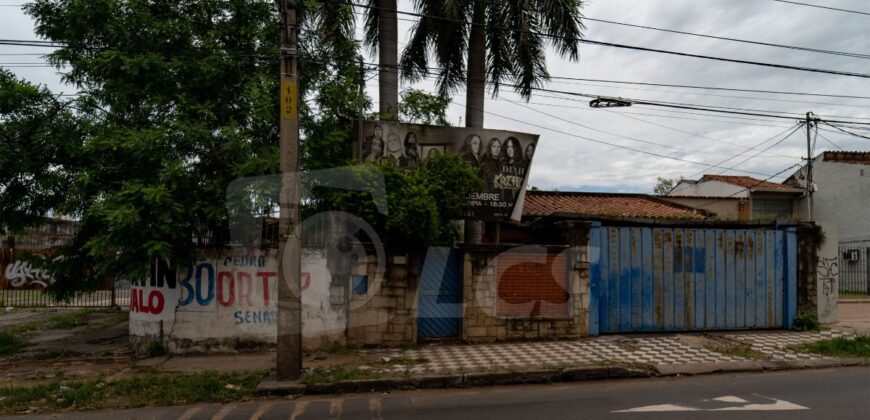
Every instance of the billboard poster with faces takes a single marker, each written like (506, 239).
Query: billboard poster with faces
(502, 158)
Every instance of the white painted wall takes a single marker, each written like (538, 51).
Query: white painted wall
(222, 302)
(828, 276)
(709, 189)
(842, 199)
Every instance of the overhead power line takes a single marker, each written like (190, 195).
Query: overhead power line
(819, 6)
(625, 46)
(845, 131)
(593, 140)
(722, 38)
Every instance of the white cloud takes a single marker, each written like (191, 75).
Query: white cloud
(567, 162)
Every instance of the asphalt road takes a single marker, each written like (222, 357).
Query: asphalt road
(842, 393)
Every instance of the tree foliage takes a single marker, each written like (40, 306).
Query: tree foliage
(516, 32)
(421, 107)
(423, 204)
(665, 185)
(177, 101)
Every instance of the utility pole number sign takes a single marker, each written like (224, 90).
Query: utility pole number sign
(288, 99)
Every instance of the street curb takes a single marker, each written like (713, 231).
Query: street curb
(465, 380)
(574, 374)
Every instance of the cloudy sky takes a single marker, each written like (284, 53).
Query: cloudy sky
(568, 160)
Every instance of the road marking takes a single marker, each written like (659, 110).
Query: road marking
(743, 405)
(778, 405)
(335, 408)
(657, 408)
(262, 409)
(730, 399)
(187, 415)
(375, 408)
(298, 409)
(224, 411)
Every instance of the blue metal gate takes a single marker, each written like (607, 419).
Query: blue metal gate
(440, 298)
(673, 279)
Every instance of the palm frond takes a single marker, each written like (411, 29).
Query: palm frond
(371, 25)
(563, 19)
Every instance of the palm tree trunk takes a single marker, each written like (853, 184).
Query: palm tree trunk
(475, 89)
(388, 76)
(476, 74)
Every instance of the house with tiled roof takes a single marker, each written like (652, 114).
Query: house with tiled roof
(738, 197)
(605, 206)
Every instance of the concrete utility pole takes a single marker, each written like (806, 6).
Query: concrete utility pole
(289, 347)
(809, 124)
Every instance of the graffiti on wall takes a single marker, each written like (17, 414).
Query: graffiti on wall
(21, 274)
(219, 293)
(828, 273)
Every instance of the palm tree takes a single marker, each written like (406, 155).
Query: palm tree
(501, 41)
(381, 36)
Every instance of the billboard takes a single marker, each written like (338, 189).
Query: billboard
(502, 158)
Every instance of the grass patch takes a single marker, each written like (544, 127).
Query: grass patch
(839, 347)
(806, 322)
(70, 320)
(739, 350)
(842, 293)
(144, 390)
(10, 343)
(336, 374)
(401, 360)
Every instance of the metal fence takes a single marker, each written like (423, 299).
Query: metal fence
(854, 269)
(19, 298)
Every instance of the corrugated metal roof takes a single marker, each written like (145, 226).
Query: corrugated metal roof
(546, 203)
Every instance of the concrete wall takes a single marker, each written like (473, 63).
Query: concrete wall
(386, 314)
(724, 209)
(842, 199)
(226, 301)
(483, 321)
(709, 189)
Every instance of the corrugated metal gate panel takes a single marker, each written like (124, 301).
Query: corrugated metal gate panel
(675, 279)
(440, 299)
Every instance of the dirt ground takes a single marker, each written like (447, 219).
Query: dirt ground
(855, 315)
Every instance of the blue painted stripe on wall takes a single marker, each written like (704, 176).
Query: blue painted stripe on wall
(625, 279)
(647, 294)
(594, 250)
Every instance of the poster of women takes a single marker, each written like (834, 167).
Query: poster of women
(502, 158)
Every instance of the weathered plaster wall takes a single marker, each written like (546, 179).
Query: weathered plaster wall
(227, 301)
(384, 314)
(482, 321)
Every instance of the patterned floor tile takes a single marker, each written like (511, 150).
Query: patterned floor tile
(775, 344)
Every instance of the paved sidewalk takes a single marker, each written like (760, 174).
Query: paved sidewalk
(654, 351)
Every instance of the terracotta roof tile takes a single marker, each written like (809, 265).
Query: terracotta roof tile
(544, 203)
(858, 158)
(753, 184)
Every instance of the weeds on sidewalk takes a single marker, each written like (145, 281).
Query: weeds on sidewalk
(143, 390)
(336, 374)
(839, 347)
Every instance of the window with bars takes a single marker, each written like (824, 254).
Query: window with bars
(772, 208)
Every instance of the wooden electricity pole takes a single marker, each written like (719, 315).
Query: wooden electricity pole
(289, 357)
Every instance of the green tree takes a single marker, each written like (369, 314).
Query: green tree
(423, 204)
(505, 42)
(665, 185)
(179, 99)
(39, 143)
(420, 107)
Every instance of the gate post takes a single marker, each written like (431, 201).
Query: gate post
(867, 274)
